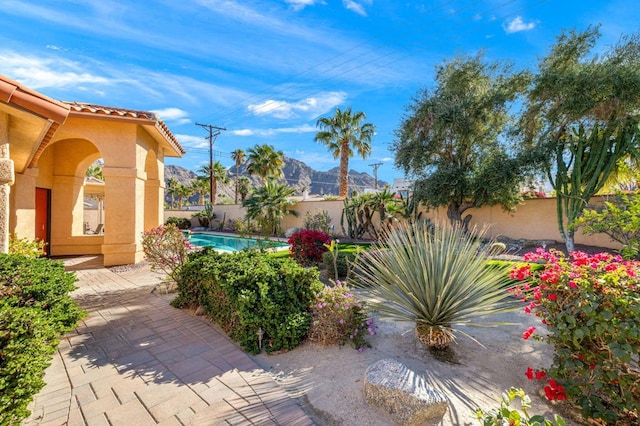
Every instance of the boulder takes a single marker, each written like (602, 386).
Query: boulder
(406, 395)
(289, 232)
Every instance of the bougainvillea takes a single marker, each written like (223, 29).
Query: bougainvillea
(308, 245)
(591, 308)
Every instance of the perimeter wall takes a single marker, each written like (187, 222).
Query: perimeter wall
(535, 219)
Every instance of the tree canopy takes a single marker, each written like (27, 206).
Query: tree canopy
(265, 162)
(583, 113)
(452, 138)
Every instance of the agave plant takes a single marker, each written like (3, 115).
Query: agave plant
(436, 277)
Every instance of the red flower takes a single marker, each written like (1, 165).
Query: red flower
(554, 391)
(528, 332)
(529, 373)
(552, 296)
(540, 375)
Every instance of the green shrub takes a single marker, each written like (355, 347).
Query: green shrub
(619, 219)
(35, 309)
(180, 222)
(343, 261)
(250, 291)
(317, 221)
(26, 247)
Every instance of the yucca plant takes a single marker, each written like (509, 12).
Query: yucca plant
(436, 277)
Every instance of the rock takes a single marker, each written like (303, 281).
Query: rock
(404, 394)
(289, 232)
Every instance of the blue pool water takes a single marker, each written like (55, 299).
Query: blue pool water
(228, 243)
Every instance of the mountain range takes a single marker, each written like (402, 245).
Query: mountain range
(295, 173)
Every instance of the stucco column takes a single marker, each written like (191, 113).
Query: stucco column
(124, 216)
(154, 204)
(23, 200)
(6, 180)
(67, 212)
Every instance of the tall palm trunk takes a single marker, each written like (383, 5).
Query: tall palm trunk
(344, 170)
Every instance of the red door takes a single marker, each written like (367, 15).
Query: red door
(43, 208)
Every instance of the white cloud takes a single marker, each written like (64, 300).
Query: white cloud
(386, 159)
(357, 7)
(301, 4)
(517, 24)
(242, 132)
(38, 73)
(311, 107)
(305, 128)
(189, 141)
(172, 114)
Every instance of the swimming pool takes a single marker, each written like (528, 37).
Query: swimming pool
(230, 243)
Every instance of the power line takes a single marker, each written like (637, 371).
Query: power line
(214, 131)
(375, 174)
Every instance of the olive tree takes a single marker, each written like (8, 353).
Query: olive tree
(452, 140)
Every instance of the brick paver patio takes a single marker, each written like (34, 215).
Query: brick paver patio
(135, 360)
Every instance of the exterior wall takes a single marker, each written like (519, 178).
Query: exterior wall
(533, 220)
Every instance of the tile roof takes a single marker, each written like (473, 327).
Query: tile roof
(86, 108)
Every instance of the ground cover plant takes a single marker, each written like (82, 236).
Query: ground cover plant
(35, 309)
(591, 309)
(259, 300)
(435, 277)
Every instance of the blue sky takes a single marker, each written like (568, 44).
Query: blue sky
(267, 70)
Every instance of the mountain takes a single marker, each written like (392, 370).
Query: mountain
(296, 174)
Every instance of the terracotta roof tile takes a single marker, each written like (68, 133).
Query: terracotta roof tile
(127, 113)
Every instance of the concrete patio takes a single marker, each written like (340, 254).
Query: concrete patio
(136, 360)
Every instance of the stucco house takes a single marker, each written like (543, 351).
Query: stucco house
(46, 147)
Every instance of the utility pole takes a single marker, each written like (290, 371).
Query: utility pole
(214, 131)
(375, 174)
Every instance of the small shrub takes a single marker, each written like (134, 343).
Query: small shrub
(339, 318)
(166, 249)
(318, 221)
(180, 222)
(590, 306)
(307, 246)
(342, 264)
(507, 415)
(250, 291)
(619, 219)
(35, 309)
(26, 247)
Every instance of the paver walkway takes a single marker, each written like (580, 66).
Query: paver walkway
(135, 360)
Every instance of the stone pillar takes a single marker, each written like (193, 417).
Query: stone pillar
(23, 202)
(7, 177)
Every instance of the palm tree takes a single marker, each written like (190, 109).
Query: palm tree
(182, 191)
(200, 186)
(237, 155)
(219, 175)
(265, 162)
(172, 184)
(269, 204)
(341, 134)
(244, 187)
(436, 277)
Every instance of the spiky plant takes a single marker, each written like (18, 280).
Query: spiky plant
(436, 277)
